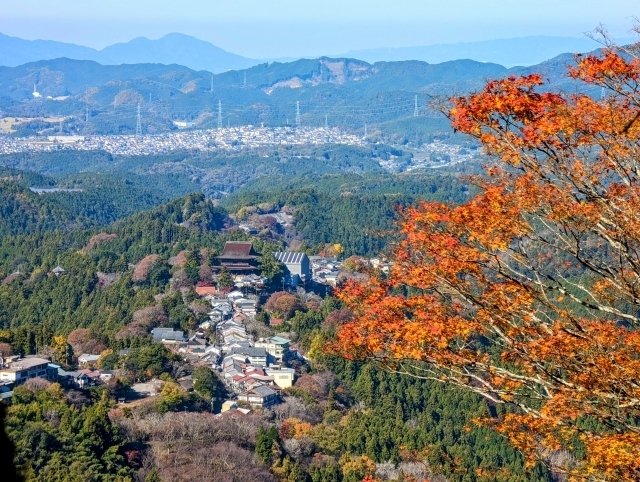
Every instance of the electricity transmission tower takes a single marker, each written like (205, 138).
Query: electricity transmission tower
(219, 114)
(297, 113)
(138, 123)
(415, 108)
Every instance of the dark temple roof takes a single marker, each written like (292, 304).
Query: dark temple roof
(237, 249)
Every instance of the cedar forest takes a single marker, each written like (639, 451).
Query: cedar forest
(502, 345)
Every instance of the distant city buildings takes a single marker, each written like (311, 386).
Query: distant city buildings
(223, 139)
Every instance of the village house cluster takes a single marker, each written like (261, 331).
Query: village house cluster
(437, 154)
(255, 371)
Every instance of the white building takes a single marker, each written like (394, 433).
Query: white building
(86, 359)
(297, 265)
(20, 370)
(283, 377)
(276, 346)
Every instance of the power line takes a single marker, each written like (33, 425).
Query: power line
(318, 110)
(316, 113)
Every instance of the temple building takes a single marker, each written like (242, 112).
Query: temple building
(238, 257)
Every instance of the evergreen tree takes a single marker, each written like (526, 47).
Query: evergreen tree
(265, 441)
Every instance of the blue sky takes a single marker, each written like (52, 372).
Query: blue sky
(287, 28)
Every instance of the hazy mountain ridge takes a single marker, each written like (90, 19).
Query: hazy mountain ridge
(169, 49)
(15, 51)
(202, 55)
(510, 52)
(174, 49)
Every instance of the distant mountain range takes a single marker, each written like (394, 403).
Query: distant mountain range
(197, 54)
(510, 52)
(392, 97)
(174, 48)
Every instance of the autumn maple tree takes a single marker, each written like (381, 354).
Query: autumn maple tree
(529, 293)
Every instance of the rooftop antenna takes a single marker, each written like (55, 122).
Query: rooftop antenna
(138, 123)
(219, 114)
(297, 113)
(415, 108)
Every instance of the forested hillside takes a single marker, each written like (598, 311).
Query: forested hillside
(97, 290)
(31, 203)
(217, 174)
(123, 278)
(356, 211)
(318, 269)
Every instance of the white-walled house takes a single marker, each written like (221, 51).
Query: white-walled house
(276, 346)
(283, 377)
